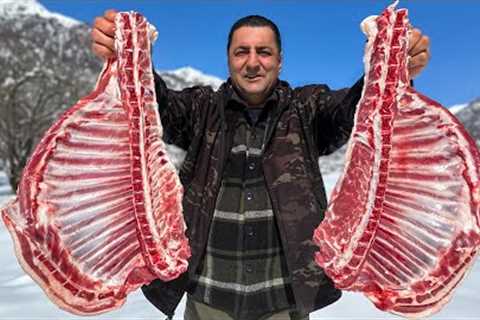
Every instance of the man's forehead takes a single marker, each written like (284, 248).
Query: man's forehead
(253, 37)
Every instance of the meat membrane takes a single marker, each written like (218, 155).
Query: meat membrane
(98, 211)
(402, 225)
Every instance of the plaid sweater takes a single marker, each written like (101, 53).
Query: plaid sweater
(244, 271)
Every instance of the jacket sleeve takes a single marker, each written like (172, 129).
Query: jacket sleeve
(333, 113)
(179, 111)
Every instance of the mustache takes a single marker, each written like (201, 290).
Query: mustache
(252, 71)
(252, 74)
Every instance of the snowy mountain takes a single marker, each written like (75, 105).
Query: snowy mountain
(38, 42)
(189, 77)
(470, 117)
(457, 108)
(46, 65)
(21, 9)
(36, 38)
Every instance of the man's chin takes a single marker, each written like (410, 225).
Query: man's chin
(254, 88)
(252, 91)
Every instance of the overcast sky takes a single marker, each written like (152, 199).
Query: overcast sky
(322, 39)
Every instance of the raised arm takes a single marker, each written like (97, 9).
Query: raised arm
(331, 114)
(178, 109)
(334, 110)
(103, 33)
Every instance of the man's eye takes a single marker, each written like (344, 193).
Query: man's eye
(265, 53)
(241, 53)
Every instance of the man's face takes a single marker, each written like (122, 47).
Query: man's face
(254, 62)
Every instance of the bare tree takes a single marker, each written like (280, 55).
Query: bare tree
(45, 68)
(29, 105)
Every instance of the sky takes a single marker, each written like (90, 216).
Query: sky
(322, 41)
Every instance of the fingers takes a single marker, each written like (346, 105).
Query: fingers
(419, 60)
(419, 52)
(102, 51)
(415, 71)
(103, 39)
(417, 42)
(105, 26)
(110, 15)
(413, 38)
(417, 63)
(103, 32)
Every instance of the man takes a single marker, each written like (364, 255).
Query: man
(253, 189)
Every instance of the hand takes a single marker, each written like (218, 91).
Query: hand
(419, 52)
(103, 32)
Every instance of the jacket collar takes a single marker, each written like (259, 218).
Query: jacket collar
(282, 92)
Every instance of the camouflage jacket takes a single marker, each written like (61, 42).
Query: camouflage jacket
(307, 122)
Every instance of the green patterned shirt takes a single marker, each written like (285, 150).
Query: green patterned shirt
(244, 271)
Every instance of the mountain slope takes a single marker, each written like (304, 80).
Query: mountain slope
(470, 117)
(34, 38)
(46, 66)
(189, 77)
(19, 9)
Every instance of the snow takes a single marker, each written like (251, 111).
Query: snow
(5, 190)
(457, 108)
(191, 75)
(10, 9)
(21, 298)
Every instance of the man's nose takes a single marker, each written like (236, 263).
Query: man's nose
(253, 61)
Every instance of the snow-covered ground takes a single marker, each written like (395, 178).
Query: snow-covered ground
(21, 298)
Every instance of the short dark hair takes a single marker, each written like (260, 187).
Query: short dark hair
(255, 21)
